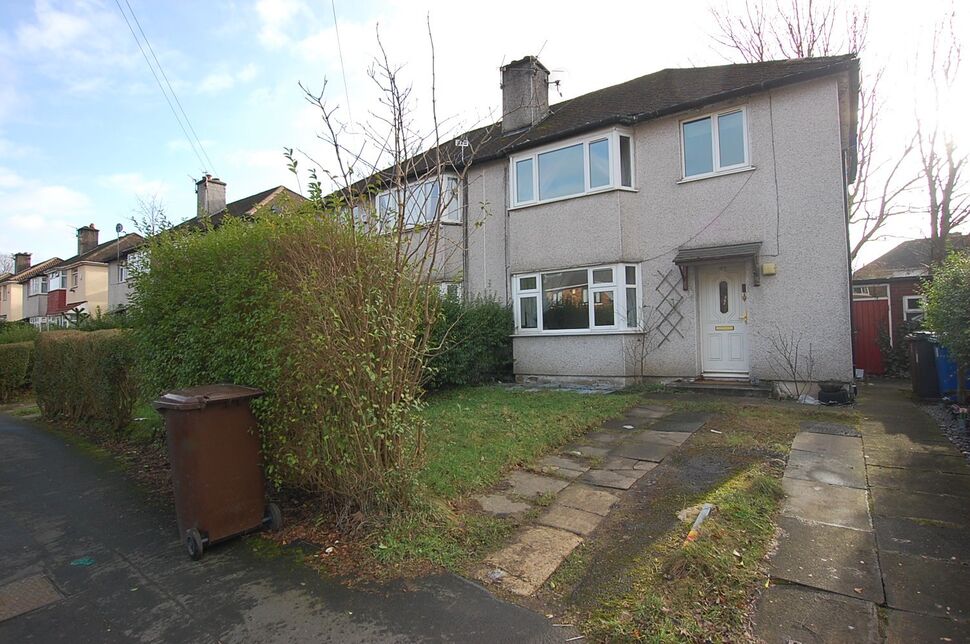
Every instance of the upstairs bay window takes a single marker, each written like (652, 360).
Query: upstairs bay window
(600, 162)
(422, 201)
(601, 298)
(715, 143)
(37, 285)
(57, 280)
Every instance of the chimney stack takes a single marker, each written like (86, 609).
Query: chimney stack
(212, 195)
(87, 238)
(21, 262)
(525, 94)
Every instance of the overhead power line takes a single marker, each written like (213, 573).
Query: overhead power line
(340, 50)
(197, 148)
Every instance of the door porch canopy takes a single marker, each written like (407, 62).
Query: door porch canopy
(748, 250)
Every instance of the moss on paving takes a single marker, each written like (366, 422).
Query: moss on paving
(636, 581)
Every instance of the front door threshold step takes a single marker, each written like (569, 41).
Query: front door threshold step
(722, 387)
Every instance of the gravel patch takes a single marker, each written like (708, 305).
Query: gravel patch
(951, 425)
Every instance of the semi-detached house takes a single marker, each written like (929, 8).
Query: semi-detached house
(699, 212)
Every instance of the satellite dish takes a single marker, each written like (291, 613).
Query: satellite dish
(119, 228)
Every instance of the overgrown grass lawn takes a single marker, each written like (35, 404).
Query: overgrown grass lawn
(476, 433)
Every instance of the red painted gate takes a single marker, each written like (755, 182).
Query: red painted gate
(869, 319)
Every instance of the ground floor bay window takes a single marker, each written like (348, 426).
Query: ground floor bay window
(577, 300)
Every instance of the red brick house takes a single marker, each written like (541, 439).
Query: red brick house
(886, 296)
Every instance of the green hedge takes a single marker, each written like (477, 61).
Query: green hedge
(17, 332)
(16, 360)
(474, 343)
(86, 377)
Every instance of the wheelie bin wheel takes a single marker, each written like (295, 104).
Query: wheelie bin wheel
(274, 518)
(193, 544)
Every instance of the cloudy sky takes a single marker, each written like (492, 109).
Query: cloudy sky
(85, 130)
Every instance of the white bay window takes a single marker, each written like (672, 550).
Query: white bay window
(579, 300)
(603, 161)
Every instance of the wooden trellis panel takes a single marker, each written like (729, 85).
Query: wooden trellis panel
(669, 307)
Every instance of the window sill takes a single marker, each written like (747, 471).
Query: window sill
(534, 204)
(577, 332)
(709, 175)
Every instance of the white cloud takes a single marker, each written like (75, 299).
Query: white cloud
(135, 184)
(221, 81)
(276, 17)
(42, 214)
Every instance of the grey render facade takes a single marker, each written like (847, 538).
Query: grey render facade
(702, 262)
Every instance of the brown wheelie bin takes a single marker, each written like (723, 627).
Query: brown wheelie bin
(217, 472)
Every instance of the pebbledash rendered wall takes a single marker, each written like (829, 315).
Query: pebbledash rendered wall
(792, 202)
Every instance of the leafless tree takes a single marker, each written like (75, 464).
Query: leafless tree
(792, 362)
(642, 343)
(6, 263)
(149, 216)
(811, 28)
(943, 162)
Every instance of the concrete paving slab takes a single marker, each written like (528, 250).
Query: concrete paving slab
(919, 481)
(829, 504)
(570, 519)
(812, 466)
(561, 463)
(585, 451)
(646, 466)
(948, 542)
(642, 450)
(786, 614)
(619, 463)
(529, 485)
(585, 497)
(905, 628)
(648, 413)
(535, 555)
(846, 447)
(501, 505)
(26, 594)
(910, 444)
(916, 460)
(605, 437)
(832, 558)
(684, 421)
(665, 438)
(935, 507)
(612, 479)
(925, 585)
(822, 427)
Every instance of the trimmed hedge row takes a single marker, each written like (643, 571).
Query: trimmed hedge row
(474, 344)
(86, 377)
(16, 361)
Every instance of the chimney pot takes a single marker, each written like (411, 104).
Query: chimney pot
(211, 195)
(21, 262)
(525, 94)
(87, 238)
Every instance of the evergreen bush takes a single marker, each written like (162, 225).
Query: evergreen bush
(473, 343)
(16, 360)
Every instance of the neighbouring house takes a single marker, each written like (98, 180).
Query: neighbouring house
(211, 206)
(79, 285)
(697, 213)
(23, 295)
(887, 298)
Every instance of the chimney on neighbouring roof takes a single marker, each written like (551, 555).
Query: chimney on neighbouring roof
(212, 195)
(87, 238)
(21, 262)
(525, 94)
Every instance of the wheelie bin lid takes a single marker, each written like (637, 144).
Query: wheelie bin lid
(198, 397)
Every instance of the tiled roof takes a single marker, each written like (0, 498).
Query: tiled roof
(908, 259)
(245, 206)
(35, 270)
(106, 251)
(662, 93)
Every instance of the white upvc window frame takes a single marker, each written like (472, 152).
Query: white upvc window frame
(715, 144)
(907, 309)
(37, 285)
(617, 287)
(442, 180)
(122, 272)
(56, 281)
(611, 135)
(451, 288)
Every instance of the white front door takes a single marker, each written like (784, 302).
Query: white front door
(723, 320)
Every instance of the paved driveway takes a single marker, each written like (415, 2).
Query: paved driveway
(875, 534)
(101, 564)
